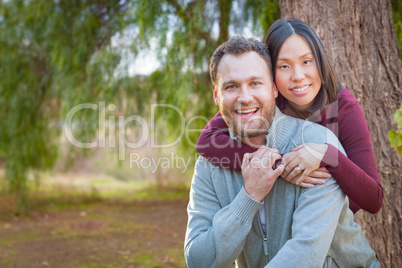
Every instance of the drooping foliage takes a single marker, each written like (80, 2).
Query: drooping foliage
(52, 58)
(55, 55)
(395, 136)
(397, 17)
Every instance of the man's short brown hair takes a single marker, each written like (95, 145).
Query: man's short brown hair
(237, 46)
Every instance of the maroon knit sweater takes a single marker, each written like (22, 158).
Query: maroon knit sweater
(356, 174)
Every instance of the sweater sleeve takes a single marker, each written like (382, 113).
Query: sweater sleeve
(215, 145)
(357, 173)
(215, 235)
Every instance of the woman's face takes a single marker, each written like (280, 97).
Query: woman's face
(297, 77)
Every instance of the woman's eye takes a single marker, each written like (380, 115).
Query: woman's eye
(230, 87)
(283, 67)
(307, 61)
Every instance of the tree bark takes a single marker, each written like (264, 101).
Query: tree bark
(224, 20)
(360, 40)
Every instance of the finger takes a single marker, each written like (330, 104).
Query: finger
(289, 157)
(278, 171)
(272, 153)
(265, 159)
(306, 185)
(268, 158)
(296, 171)
(291, 160)
(250, 155)
(303, 177)
(246, 161)
(260, 152)
(322, 169)
(286, 160)
(297, 148)
(320, 174)
(290, 166)
(273, 150)
(312, 180)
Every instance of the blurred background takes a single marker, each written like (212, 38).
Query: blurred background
(101, 105)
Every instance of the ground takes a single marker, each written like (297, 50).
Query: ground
(80, 221)
(141, 234)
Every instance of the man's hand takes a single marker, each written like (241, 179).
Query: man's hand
(258, 173)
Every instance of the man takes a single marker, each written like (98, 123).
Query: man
(254, 218)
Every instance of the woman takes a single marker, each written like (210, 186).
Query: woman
(309, 90)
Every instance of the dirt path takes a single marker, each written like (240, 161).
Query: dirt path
(141, 234)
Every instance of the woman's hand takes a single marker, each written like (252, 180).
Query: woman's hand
(315, 177)
(302, 165)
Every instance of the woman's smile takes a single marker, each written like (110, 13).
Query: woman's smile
(300, 90)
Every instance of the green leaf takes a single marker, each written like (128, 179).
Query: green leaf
(398, 117)
(393, 138)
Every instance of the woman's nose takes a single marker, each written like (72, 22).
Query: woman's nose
(298, 74)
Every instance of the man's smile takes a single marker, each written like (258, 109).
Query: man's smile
(247, 112)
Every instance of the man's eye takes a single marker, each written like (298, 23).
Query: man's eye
(255, 83)
(230, 87)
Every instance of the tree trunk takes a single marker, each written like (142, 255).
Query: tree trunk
(360, 40)
(224, 20)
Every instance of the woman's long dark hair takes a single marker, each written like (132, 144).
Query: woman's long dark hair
(279, 31)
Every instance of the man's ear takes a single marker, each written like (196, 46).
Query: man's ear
(275, 89)
(215, 95)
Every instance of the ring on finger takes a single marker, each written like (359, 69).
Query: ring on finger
(298, 168)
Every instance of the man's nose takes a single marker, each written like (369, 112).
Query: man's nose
(298, 74)
(245, 95)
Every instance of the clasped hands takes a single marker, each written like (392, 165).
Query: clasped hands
(300, 167)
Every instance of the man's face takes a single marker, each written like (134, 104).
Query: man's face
(245, 94)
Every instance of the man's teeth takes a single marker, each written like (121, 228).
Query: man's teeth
(246, 111)
(300, 89)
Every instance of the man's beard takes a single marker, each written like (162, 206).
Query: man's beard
(253, 127)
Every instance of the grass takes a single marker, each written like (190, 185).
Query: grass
(70, 191)
(98, 221)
